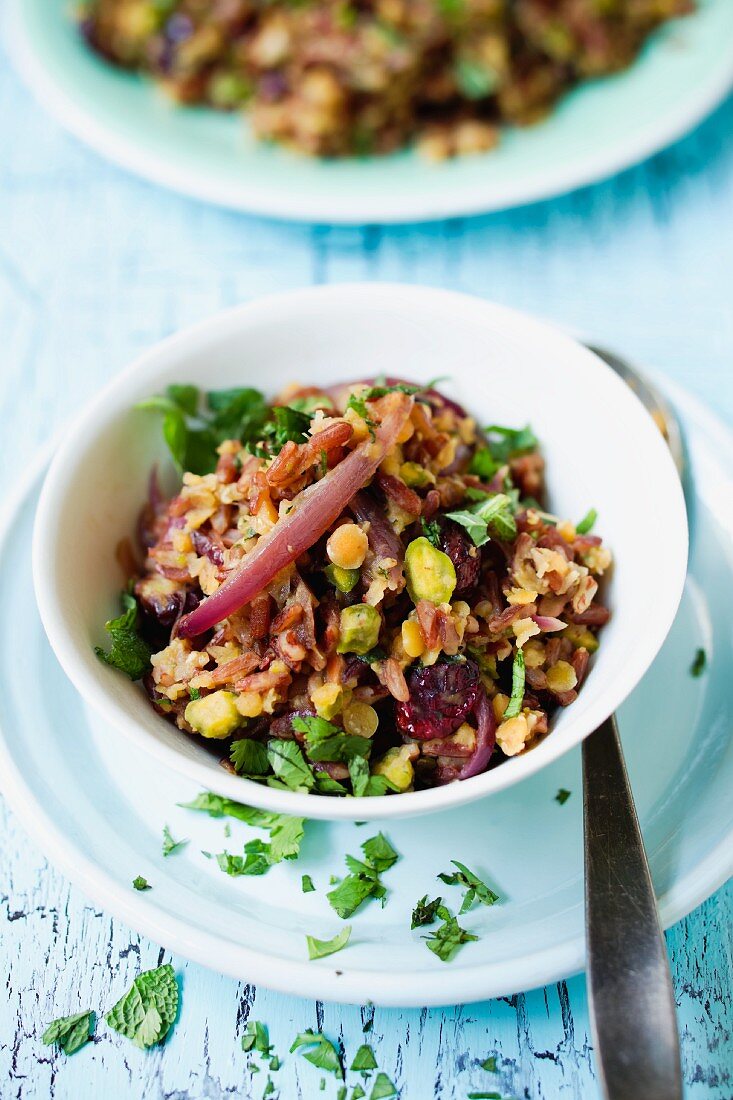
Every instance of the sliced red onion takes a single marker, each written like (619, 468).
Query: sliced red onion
(312, 513)
(485, 739)
(383, 540)
(548, 622)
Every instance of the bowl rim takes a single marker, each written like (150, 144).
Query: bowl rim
(111, 399)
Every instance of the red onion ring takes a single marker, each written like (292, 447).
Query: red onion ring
(313, 512)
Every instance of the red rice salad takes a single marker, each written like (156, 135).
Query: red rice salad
(356, 590)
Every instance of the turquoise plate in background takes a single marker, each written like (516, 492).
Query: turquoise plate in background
(96, 806)
(600, 128)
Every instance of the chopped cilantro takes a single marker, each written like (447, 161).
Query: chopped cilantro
(289, 765)
(216, 806)
(306, 884)
(492, 517)
(699, 664)
(476, 889)
(364, 1058)
(321, 1052)
(517, 696)
(382, 1088)
(431, 531)
(363, 882)
(286, 834)
(358, 1092)
(358, 404)
(275, 1063)
(256, 1037)
(489, 1064)
(141, 883)
(448, 936)
(194, 693)
(372, 656)
(425, 912)
(70, 1033)
(128, 652)
(249, 757)
(562, 796)
(326, 742)
(379, 853)
(147, 1011)
(169, 844)
(365, 785)
(318, 949)
(587, 522)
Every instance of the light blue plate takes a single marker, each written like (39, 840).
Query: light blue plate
(600, 128)
(97, 808)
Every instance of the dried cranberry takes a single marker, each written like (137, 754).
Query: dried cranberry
(440, 698)
(465, 556)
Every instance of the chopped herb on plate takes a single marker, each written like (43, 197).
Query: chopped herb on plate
(562, 796)
(382, 1088)
(141, 883)
(319, 949)
(476, 889)
(169, 844)
(448, 936)
(306, 884)
(425, 912)
(363, 882)
(699, 664)
(364, 1059)
(256, 1037)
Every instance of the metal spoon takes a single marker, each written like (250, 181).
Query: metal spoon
(630, 992)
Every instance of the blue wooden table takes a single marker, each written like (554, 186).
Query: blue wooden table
(94, 266)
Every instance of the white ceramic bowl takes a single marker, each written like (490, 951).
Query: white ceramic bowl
(602, 451)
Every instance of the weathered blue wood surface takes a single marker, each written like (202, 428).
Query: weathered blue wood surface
(94, 266)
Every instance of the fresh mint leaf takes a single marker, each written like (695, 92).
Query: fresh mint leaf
(319, 949)
(321, 1052)
(587, 522)
(562, 796)
(515, 701)
(475, 527)
(249, 757)
(383, 1088)
(490, 517)
(306, 884)
(289, 765)
(169, 844)
(70, 1033)
(448, 936)
(699, 664)
(364, 1059)
(128, 652)
(146, 1012)
(476, 888)
(425, 912)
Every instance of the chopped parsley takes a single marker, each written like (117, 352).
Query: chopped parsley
(319, 949)
(425, 912)
(256, 1037)
(476, 889)
(249, 757)
(448, 936)
(141, 883)
(169, 844)
(306, 884)
(492, 517)
(128, 652)
(363, 882)
(562, 796)
(70, 1033)
(321, 1052)
(147, 1011)
(515, 702)
(699, 664)
(364, 1059)
(587, 522)
(382, 1088)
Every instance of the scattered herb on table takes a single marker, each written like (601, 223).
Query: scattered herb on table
(70, 1033)
(448, 936)
(699, 664)
(476, 889)
(382, 1088)
(256, 1037)
(169, 844)
(320, 1051)
(147, 1011)
(364, 1059)
(489, 1064)
(319, 949)
(141, 883)
(128, 652)
(562, 796)
(425, 912)
(484, 1096)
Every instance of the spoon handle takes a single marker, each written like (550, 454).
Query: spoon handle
(629, 983)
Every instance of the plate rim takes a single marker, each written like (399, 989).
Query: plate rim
(308, 979)
(54, 97)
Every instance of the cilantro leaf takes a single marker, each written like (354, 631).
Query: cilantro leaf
(141, 883)
(216, 806)
(699, 664)
(379, 853)
(364, 881)
(448, 936)
(352, 892)
(147, 1011)
(169, 844)
(358, 1092)
(365, 785)
(186, 397)
(128, 652)
(249, 757)
(256, 1037)
(474, 526)
(254, 861)
(425, 912)
(318, 949)
(70, 1033)
(326, 742)
(587, 522)
(306, 884)
(364, 1058)
(476, 888)
(383, 1088)
(289, 765)
(484, 1096)
(321, 1053)
(562, 796)
(517, 696)
(286, 835)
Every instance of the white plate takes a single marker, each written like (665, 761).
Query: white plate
(598, 129)
(96, 807)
